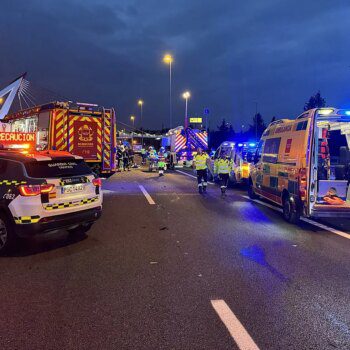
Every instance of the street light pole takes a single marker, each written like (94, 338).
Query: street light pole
(256, 121)
(132, 118)
(168, 59)
(186, 95)
(140, 103)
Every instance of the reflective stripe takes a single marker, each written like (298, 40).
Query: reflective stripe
(223, 166)
(12, 182)
(201, 161)
(70, 204)
(27, 219)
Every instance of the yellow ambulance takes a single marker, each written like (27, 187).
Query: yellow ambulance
(303, 165)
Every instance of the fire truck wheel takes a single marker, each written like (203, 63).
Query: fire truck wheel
(7, 235)
(80, 230)
(290, 210)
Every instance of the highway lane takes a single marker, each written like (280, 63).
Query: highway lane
(147, 276)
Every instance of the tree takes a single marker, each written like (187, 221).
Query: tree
(224, 126)
(257, 128)
(225, 132)
(315, 101)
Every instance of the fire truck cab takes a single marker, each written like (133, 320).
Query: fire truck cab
(84, 130)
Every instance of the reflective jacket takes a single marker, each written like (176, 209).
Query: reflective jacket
(201, 161)
(222, 166)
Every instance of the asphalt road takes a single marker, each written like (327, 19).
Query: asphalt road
(187, 272)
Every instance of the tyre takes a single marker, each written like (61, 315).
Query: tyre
(251, 193)
(290, 211)
(81, 229)
(7, 234)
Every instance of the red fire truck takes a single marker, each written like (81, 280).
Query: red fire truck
(85, 130)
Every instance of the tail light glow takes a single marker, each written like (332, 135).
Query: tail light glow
(302, 183)
(35, 190)
(97, 182)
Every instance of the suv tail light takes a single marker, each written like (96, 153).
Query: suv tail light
(302, 183)
(35, 190)
(46, 188)
(97, 182)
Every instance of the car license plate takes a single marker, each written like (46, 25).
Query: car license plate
(72, 188)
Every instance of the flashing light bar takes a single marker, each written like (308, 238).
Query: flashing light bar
(87, 104)
(252, 144)
(325, 111)
(347, 113)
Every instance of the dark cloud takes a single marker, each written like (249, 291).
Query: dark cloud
(228, 53)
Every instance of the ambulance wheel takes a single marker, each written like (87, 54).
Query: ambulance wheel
(251, 193)
(7, 234)
(290, 211)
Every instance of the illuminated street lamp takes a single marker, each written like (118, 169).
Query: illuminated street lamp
(168, 59)
(140, 103)
(132, 118)
(186, 95)
(1, 100)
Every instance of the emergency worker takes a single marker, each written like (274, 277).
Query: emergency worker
(126, 165)
(222, 168)
(161, 161)
(143, 155)
(200, 163)
(120, 158)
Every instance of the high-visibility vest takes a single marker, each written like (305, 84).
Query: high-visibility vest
(201, 161)
(223, 166)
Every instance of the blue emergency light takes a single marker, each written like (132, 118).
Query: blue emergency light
(252, 145)
(347, 113)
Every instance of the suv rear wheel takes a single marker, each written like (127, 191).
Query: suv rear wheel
(7, 235)
(290, 210)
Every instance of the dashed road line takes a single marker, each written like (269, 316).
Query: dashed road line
(193, 176)
(108, 192)
(240, 335)
(147, 195)
(309, 221)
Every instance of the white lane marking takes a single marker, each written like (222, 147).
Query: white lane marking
(107, 191)
(195, 177)
(325, 227)
(309, 221)
(242, 338)
(148, 197)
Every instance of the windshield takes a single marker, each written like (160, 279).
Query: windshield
(57, 168)
(226, 151)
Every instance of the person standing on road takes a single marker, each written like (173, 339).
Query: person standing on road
(200, 163)
(131, 155)
(126, 164)
(161, 161)
(143, 155)
(222, 167)
(120, 158)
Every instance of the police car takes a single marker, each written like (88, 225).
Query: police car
(45, 191)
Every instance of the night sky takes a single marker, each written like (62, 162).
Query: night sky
(228, 53)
